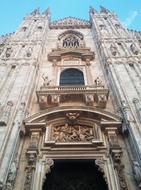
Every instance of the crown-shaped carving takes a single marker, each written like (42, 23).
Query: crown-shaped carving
(70, 22)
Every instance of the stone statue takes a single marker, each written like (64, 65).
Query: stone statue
(29, 52)
(137, 173)
(113, 50)
(103, 29)
(46, 81)
(8, 52)
(98, 82)
(12, 173)
(134, 49)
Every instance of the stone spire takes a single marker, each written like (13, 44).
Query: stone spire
(104, 10)
(47, 12)
(36, 12)
(92, 10)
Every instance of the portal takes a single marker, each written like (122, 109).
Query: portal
(75, 175)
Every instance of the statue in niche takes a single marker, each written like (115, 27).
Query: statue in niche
(8, 52)
(137, 173)
(98, 82)
(29, 52)
(113, 50)
(75, 133)
(46, 81)
(11, 176)
(134, 49)
(103, 29)
(119, 28)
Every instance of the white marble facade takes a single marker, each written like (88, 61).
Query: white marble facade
(108, 55)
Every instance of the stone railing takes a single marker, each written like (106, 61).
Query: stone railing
(71, 89)
(50, 95)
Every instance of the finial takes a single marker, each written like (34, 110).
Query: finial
(36, 12)
(92, 10)
(47, 12)
(104, 10)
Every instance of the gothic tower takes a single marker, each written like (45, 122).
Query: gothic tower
(70, 112)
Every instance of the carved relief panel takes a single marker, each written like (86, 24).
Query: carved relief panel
(73, 133)
(76, 133)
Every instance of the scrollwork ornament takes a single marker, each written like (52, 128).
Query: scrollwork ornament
(100, 163)
(49, 162)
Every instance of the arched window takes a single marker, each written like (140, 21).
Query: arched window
(71, 39)
(71, 77)
(71, 42)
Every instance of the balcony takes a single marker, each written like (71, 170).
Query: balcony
(49, 96)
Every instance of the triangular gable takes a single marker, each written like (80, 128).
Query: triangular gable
(70, 22)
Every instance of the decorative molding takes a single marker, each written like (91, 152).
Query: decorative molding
(70, 23)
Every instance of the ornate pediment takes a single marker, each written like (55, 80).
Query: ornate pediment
(70, 22)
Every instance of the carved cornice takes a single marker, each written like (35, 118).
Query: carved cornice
(83, 53)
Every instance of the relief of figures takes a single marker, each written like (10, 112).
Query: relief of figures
(73, 133)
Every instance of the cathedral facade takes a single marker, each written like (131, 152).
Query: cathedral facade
(70, 104)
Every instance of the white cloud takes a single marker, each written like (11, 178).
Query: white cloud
(129, 20)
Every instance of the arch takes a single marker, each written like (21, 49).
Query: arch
(75, 174)
(71, 39)
(71, 76)
(103, 114)
(76, 33)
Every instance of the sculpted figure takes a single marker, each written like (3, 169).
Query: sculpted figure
(103, 29)
(29, 52)
(74, 133)
(134, 49)
(46, 81)
(8, 51)
(98, 82)
(137, 172)
(113, 50)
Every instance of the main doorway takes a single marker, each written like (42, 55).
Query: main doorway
(75, 175)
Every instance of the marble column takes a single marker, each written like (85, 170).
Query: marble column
(42, 168)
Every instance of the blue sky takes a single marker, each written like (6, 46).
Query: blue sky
(13, 11)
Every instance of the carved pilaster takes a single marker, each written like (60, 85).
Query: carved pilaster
(116, 154)
(43, 167)
(31, 160)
